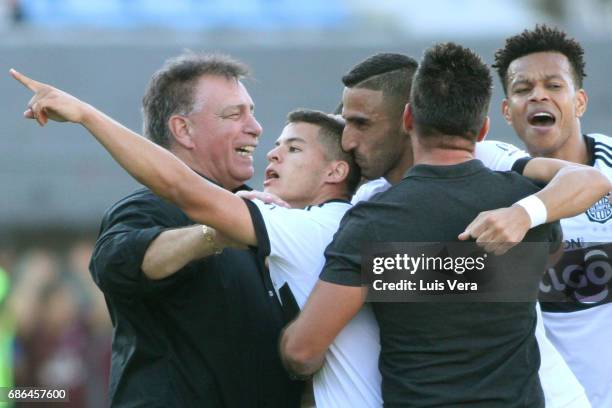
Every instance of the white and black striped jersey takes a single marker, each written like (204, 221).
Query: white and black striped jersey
(579, 320)
(578, 282)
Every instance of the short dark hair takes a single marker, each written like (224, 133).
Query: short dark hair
(451, 92)
(542, 39)
(390, 73)
(330, 136)
(171, 89)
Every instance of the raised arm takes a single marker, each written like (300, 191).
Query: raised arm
(572, 188)
(150, 164)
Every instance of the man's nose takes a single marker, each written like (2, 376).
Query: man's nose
(274, 155)
(253, 127)
(349, 142)
(539, 93)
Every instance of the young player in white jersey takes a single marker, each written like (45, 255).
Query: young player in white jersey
(305, 171)
(542, 72)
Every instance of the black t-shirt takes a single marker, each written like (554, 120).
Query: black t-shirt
(206, 336)
(446, 354)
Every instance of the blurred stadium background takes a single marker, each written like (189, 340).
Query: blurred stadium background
(56, 183)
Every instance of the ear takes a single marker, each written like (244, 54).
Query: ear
(181, 130)
(506, 111)
(484, 130)
(338, 172)
(407, 118)
(582, 100)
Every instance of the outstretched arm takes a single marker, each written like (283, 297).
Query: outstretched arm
(572, 188)
(147, 162)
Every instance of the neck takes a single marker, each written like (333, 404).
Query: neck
(321, 198)
(186, 157)
(573, 150)
(459, 151)
(404, 163)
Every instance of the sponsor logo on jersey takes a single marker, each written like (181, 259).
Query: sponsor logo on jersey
(582, 276)
(573, 243)
(601, 211)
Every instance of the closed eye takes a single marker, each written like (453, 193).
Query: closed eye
(521, 90)
(360, 125)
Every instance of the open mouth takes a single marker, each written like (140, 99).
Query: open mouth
(541, 118)
(245, 151)
(271, 174)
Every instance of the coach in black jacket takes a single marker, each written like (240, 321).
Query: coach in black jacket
(192, 326)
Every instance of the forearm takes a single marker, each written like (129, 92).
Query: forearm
(305, 341)
(300, 361)
(173, 249)
(572, 191)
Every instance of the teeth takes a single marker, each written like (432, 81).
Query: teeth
(543, 115)
(245, 150)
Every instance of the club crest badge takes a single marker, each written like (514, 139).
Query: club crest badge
(601, 211)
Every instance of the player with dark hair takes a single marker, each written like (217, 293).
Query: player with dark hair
(450, 96)
(432, 354)
(542, 72)
(541, 39)
(375, 93)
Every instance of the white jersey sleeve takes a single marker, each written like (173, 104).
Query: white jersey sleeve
(369, 189)
(286, 229)
(498, 156)
(297, 240)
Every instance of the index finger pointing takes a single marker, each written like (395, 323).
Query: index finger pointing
(29, 83)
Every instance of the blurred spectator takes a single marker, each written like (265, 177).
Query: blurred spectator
(62, 328)
(6, 333)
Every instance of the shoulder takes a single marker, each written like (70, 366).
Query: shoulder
(512, 181)
(326, 215)
(359, 216)
(143, 203)
(140, 196)
(327, 210)
(496, 147)
(602, 151)
(369, 189)
(601, 138)
(498, 155)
